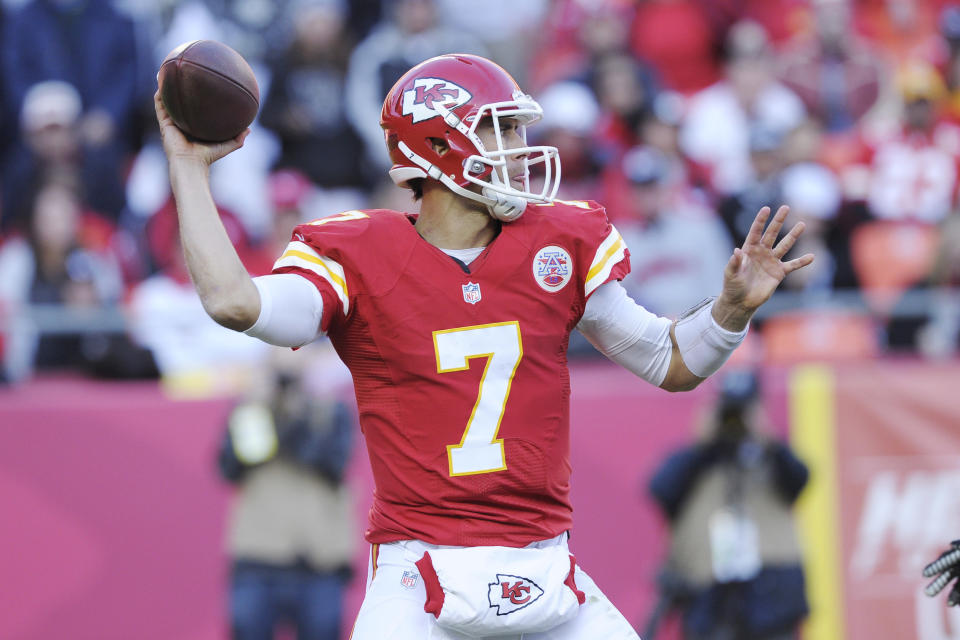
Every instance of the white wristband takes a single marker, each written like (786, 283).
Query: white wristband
(705, 345)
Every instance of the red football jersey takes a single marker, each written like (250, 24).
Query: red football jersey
(461, 372)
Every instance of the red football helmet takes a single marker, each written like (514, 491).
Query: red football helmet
(447, 97)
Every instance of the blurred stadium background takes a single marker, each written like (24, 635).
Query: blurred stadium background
(682, 116)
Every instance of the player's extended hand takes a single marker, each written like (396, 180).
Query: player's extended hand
(178, 147)
(756, 269)
(945, 569)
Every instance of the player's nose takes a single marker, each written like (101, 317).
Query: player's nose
(513, 140)
(516, 142)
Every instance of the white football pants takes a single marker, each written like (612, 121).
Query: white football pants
(393, 606)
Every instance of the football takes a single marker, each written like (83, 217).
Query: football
(209, 90)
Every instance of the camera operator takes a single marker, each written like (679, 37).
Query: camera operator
(734, 566)
(290, 536)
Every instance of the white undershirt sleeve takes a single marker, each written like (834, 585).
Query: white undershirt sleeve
(628, 334)
(291, 309)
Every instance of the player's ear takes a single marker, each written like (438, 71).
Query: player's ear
(440, 146)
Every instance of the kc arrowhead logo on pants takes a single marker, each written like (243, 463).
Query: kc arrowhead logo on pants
(512, 593)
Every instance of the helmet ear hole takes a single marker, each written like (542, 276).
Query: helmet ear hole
(476, 168)
(440, 146)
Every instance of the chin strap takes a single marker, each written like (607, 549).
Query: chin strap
(500, 206)
(504, 208)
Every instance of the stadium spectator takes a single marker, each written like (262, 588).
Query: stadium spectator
(781, 19)
(409, 33)
(307, 110)
(676, 248)
(63, 259)
(676, 37)
(258, 29)
(719, 120)
(364, 16)
(950, 30)
(902, 29)
(291, 531)
(193, 354)
(813, 194)
(763, 184)
(660, 129)
(835, 72)
(90, 45)
(49, 149)
(575, 37)
(625, 90)
(570, 118)
(914, 169)
(514, 40)
(293, 200)
(734, 557)
(931, 326)
(7, 114)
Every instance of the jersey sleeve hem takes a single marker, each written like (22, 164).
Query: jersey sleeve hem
(304, 258)
(610, 262)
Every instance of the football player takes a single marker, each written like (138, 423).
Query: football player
(454, 324)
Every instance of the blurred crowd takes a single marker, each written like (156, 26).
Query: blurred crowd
(683, 117)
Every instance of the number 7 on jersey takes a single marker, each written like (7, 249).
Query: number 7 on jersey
(479, 450)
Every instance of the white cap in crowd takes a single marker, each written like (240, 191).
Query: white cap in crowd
(812, 189)
(50, 103)
(569, 106)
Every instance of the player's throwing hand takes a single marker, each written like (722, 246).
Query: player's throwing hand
(179, 147)
(945, 569)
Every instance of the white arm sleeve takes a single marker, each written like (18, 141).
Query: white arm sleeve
(628, 334)
(290, 310)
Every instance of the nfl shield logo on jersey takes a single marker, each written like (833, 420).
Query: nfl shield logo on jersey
(409, 579)
(552, 268)
(471, 292)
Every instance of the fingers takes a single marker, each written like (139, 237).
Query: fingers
(788, 240)
(946, 560)
(953, 598)
(937, 585)
(234, 143)
(733, 264)
(159, 108)
(214, 151)
(756, 229)
(798, 263)
(773, 230)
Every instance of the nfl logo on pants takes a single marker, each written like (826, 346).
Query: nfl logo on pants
(409, 579)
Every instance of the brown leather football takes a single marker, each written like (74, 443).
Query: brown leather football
(209, 90)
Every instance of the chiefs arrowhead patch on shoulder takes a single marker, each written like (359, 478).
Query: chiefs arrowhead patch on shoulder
(420, 101)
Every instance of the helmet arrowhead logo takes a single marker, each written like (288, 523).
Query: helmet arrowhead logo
(420, 101)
